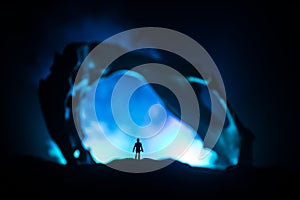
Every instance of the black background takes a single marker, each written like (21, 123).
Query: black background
(253, 44)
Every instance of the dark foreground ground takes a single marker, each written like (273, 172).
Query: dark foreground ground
(32, 177)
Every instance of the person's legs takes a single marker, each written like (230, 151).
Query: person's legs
(135, 157)
(139, 156)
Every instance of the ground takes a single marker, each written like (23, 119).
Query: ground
(44, 179)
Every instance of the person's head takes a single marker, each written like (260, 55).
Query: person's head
(138, 140)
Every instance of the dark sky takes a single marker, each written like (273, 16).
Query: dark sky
(253, 44)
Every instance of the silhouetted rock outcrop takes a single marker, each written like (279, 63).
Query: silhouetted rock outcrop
(56, 99)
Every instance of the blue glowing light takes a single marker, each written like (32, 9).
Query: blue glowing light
(76, 153)
(107, 141)
(101, 134)
(55, 153)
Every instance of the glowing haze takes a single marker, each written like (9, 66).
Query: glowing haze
(107, 140)
(111, 113)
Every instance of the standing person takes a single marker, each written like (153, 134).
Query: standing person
(138, 148)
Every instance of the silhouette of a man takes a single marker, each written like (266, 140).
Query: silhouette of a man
(138, 148)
